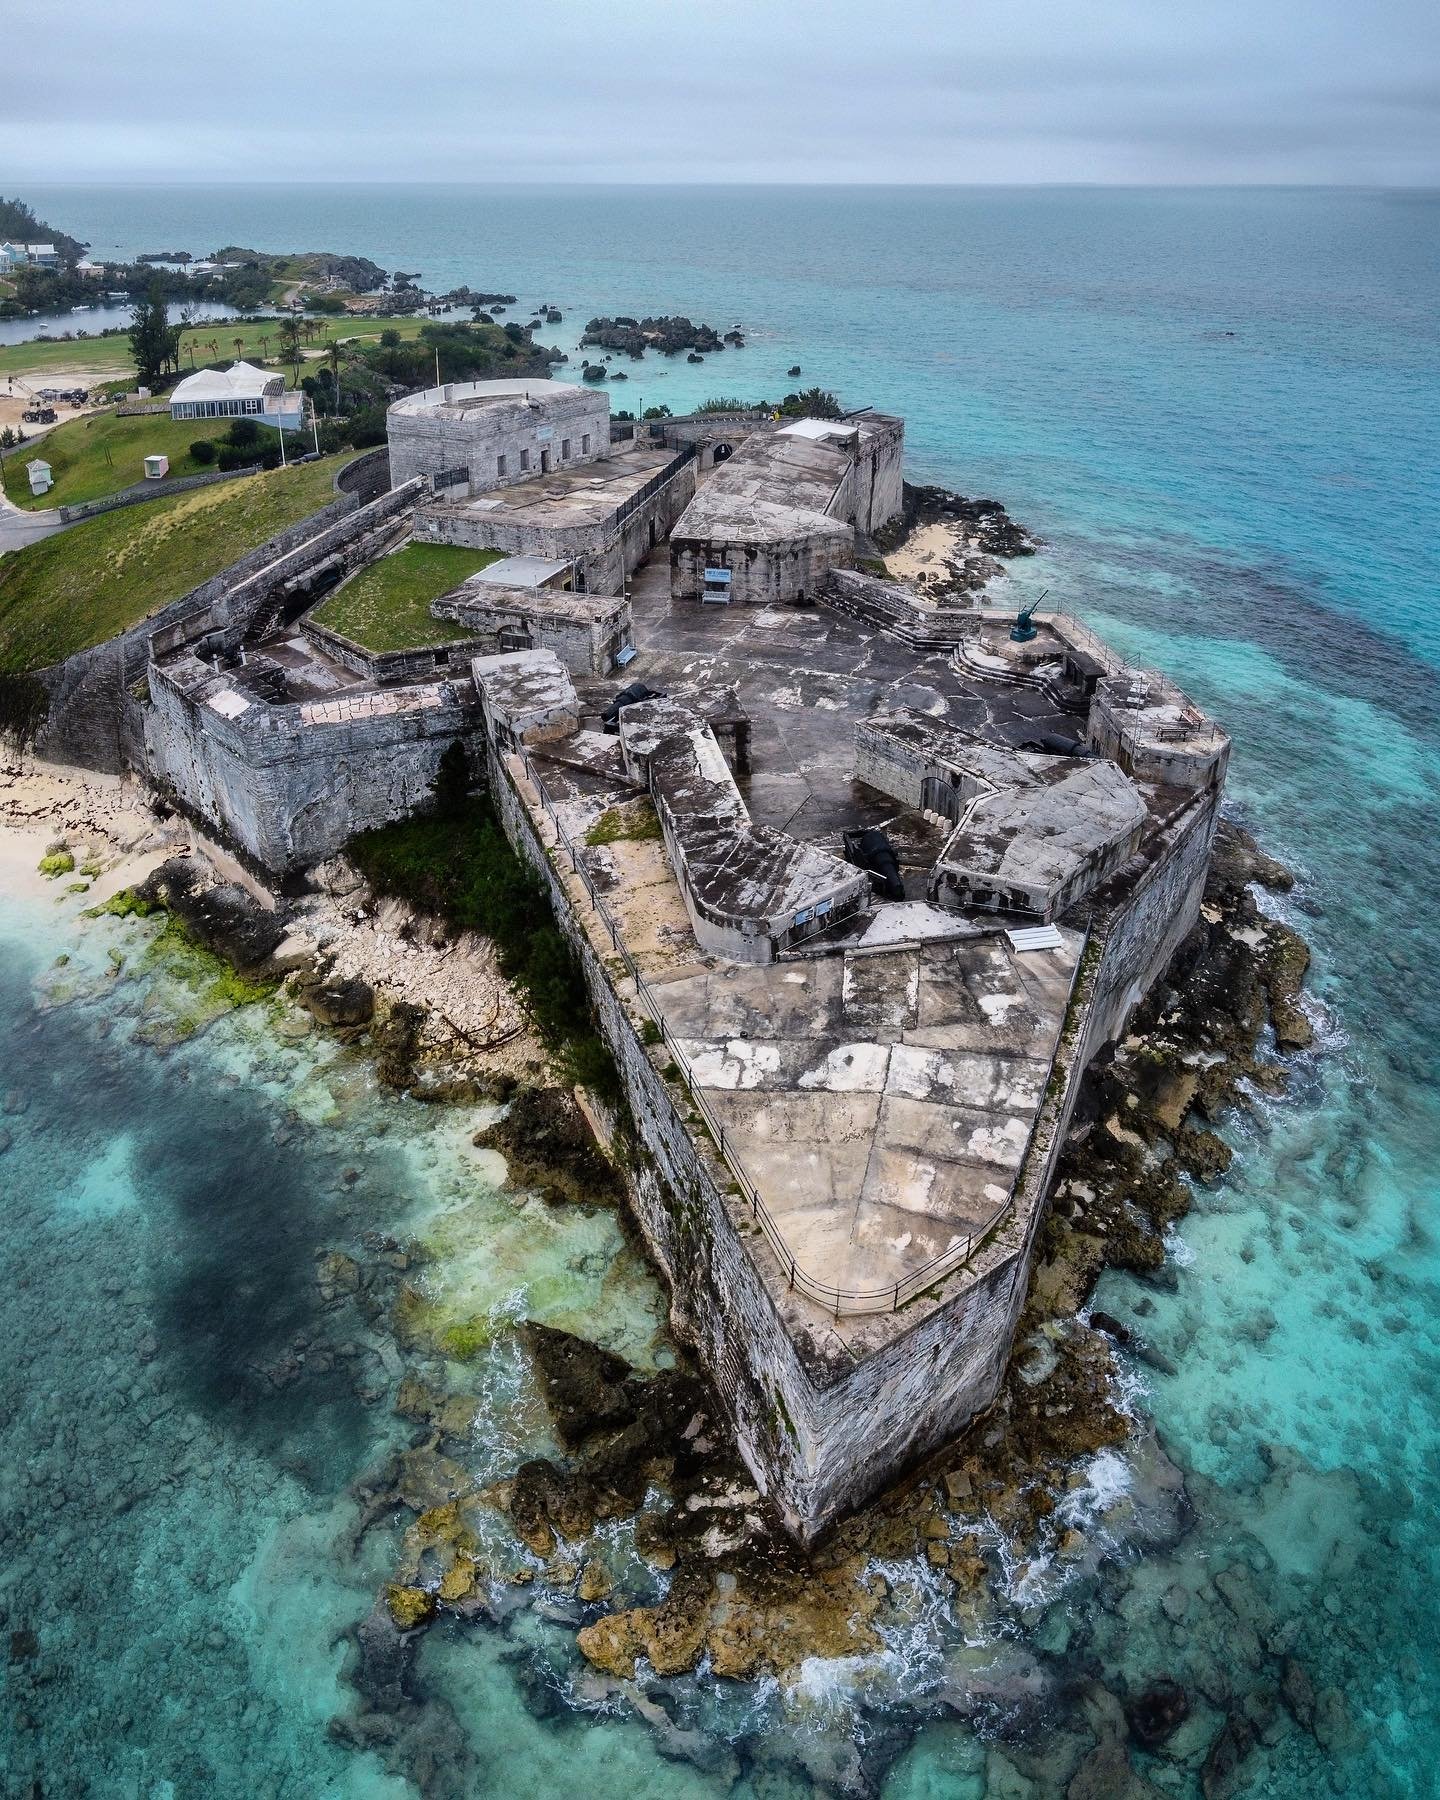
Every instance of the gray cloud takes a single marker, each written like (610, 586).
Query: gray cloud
(622, 90)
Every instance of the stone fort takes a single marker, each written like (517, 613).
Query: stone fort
(851, 1080)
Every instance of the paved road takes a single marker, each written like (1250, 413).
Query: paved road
(18, 528)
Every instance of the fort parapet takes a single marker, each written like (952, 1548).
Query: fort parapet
(849, 1098)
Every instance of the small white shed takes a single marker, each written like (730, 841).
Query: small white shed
(41, 480)
(156, 468)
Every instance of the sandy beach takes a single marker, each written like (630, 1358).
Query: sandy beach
(475, 1020)
(939, 555)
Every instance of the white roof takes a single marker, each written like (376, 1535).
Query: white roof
(38, 463)
(519, 572)
(819, 429)
(241, 381)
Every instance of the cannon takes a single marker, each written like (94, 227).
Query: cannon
(1023, 631)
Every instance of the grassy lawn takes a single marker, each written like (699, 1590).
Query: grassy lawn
(100, 454)
(387, 606)
(87, 584)
(259, 340)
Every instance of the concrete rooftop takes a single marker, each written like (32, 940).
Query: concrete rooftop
(583, 494)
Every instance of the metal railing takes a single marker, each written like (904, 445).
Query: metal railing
(654, 484)
(835, 1300)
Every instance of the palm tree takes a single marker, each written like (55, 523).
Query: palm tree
(265, 346)
(334, 354)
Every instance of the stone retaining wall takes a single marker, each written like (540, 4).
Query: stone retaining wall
(150, 490)
(821, 1431)
(95, 696)
(288, 790)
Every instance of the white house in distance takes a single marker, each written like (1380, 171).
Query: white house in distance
(28, 256)
(240, 392)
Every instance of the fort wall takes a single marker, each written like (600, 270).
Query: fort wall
(289, 786)
(605, 551)
(497, 432)
(822, 1428)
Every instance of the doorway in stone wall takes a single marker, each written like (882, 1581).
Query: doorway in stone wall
(544, 462)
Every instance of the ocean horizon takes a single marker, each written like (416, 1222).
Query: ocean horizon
(1215, 408)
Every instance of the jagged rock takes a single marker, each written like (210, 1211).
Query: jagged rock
(410, 1607)
(1298, 1692)
(585, 1388)
(386, 1659)
(546, 1501)
(428, 1480)
(548, 1145)
(1334, 1724)
(595, 1582)
(1219, 1776)
(395, 1041)
(1106, 1775)
(337, 1274)
(1157, 1713)
(223, 917)
(337, 1001)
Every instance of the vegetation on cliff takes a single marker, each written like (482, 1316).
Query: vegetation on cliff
(455, 861)
(86, 585)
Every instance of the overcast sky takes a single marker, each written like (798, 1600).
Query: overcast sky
(723, 90)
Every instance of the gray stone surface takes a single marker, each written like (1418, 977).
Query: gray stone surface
(783, 510)
(603, 519)
(533, 424)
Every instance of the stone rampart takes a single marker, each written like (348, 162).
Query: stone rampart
(763, 573)
(1144, 928)
(604, 551)
(94, 718)
(821, 1427)
(288, 786)
(497, 432)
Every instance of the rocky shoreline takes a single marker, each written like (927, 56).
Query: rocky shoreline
(997, 1518)
(990, 1515)
(949, 546)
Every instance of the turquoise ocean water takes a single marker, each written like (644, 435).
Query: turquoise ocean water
(1219, 411)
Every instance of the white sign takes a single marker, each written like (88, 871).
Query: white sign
(544, 434)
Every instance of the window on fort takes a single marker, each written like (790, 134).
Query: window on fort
(524, 461)
(564, 449)
(500, 465)
(585, 443)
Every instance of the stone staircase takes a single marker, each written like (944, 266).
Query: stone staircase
(884, 605)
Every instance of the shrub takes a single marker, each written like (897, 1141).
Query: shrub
(202, 451)
(244, 431)
(456, 862)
